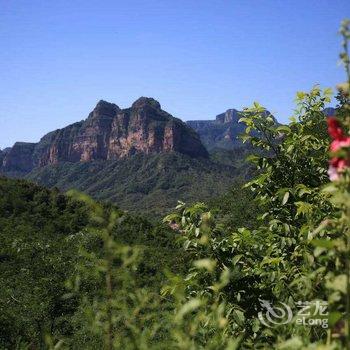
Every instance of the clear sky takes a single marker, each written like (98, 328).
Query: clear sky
(197, 57)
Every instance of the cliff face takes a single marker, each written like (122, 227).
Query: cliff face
(230, 116)
(19, 158)
(108, 133)
(146, 128)
(2, 156)
(82, 141)
(221, 132)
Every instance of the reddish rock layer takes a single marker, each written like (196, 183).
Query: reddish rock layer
(109, 133)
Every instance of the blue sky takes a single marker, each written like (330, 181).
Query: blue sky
(197, 57)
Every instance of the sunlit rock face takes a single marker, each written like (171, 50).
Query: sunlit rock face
(108, 133)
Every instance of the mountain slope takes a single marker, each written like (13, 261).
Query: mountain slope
(41, 234)
(143, 183)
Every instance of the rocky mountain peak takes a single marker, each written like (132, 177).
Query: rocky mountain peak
(231, 115)
(108, 133)
(104, 108)
(146, 101)
(19, 157)
(223, 131)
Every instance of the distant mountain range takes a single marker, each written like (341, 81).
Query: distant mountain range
(221, 132)
(141, 158)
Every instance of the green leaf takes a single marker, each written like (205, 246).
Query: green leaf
(233, 344)
(244, 138)
(294, 343)
(300, 95)
(323, 243)
(253, 158)
(283, 128)
(236, 259)
(285, 198)
(304, 138)
(303, 208)
(238, 315)
(244, 120)
(271, 261)
(256, 104)
(190, 306)
(328, 91)
(207, 264)
(338, 283)
(334, 317)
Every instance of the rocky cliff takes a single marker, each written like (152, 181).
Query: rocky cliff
(221, 132)
(109, 132)
(19, 157)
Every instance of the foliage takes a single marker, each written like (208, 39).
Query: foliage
(38, 234)
(149, 184)
(236, 208)
(115, 312)
(42, 235)
(299, 252)
(275, 260)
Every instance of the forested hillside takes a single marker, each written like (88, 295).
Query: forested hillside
(147, 184)
(41, 234)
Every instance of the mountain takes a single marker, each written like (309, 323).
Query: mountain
(143, 183)
(140, 158)
(3, 154)
(18, 158)
(221, 132)
(108, 133)
(329, 111)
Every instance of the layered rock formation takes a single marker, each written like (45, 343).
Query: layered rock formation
(221, 132)
(231, 115)
(108, 133)
(19, 157)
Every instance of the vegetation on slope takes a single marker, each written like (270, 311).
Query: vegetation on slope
(149, 184)
(41, 235)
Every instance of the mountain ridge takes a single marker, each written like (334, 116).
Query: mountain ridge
(222, 131)
(108, 132)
